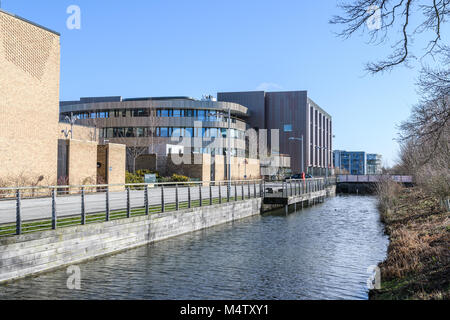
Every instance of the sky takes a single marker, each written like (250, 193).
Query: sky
(142, 48)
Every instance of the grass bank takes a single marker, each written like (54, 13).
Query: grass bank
(418, 262)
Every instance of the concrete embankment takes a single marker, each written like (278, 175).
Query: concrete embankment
(30, 254)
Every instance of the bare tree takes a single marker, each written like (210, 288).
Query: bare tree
(425, 136)
(396, 16)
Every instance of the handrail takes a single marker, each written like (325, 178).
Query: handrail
(126, 185)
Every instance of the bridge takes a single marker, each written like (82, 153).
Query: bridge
(375, 178)
(362, 184)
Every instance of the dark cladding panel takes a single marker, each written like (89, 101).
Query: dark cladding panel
(254, 101)
(286, 111)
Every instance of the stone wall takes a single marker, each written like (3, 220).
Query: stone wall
(29, 100)
(26, 255)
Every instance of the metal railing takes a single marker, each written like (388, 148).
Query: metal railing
(295, 187)
(30, 209)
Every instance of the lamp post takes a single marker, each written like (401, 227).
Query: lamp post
(72, 119)
(300, 139)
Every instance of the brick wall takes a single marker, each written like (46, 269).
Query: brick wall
(29, 100)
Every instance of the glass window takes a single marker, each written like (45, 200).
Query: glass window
(223, 132)
(201, 115)
(178, 113)
(130, 132)
(177, 132)
(163, 132)
(288, 128)
(140, 132)
(213, 132)
(189, 113)
(189, 132)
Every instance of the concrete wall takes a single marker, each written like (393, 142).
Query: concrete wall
(30, 254)
(29, 100)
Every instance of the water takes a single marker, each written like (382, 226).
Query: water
(321, 252)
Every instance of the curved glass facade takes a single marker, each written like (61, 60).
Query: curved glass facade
(134, 122)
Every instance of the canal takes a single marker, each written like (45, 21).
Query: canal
(321, 252)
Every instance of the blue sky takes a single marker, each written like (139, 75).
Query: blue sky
(164, 47)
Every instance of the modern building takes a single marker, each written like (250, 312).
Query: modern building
(374, 163)
(350, 162)
(33, 149)
(357, 162)
(305, 129)
(164, 125)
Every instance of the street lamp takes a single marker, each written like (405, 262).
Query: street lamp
(300, 139)
(72, 119)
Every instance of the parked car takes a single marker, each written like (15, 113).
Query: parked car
(298, 176)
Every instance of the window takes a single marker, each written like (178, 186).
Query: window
(201, 115)
(189, 113)
(177, 132)
(288, 128)
(178, 113)
(189, 132)
(140, 113)
(130, 133)
(163, 132)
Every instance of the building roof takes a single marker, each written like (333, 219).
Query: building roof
(30, 22)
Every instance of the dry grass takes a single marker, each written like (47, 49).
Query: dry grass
(418, 262)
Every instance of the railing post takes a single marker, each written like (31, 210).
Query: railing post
(107, 204)
(146, 203)
(262, 189)
(210, 194)
(200, 195)
(177, 204)
(254, 189)
(228, 192)
(54, 217)
(128, 203)
(243, 194)
(249, 193)
(162, 199)
(235, 192)
(220, 194)
(18, 217)
(189, 196)
(83, 208)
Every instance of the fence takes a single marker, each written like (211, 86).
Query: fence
(31, 209)
(294, 187)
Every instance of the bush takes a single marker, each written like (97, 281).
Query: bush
(388, 192)
(179, 178)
